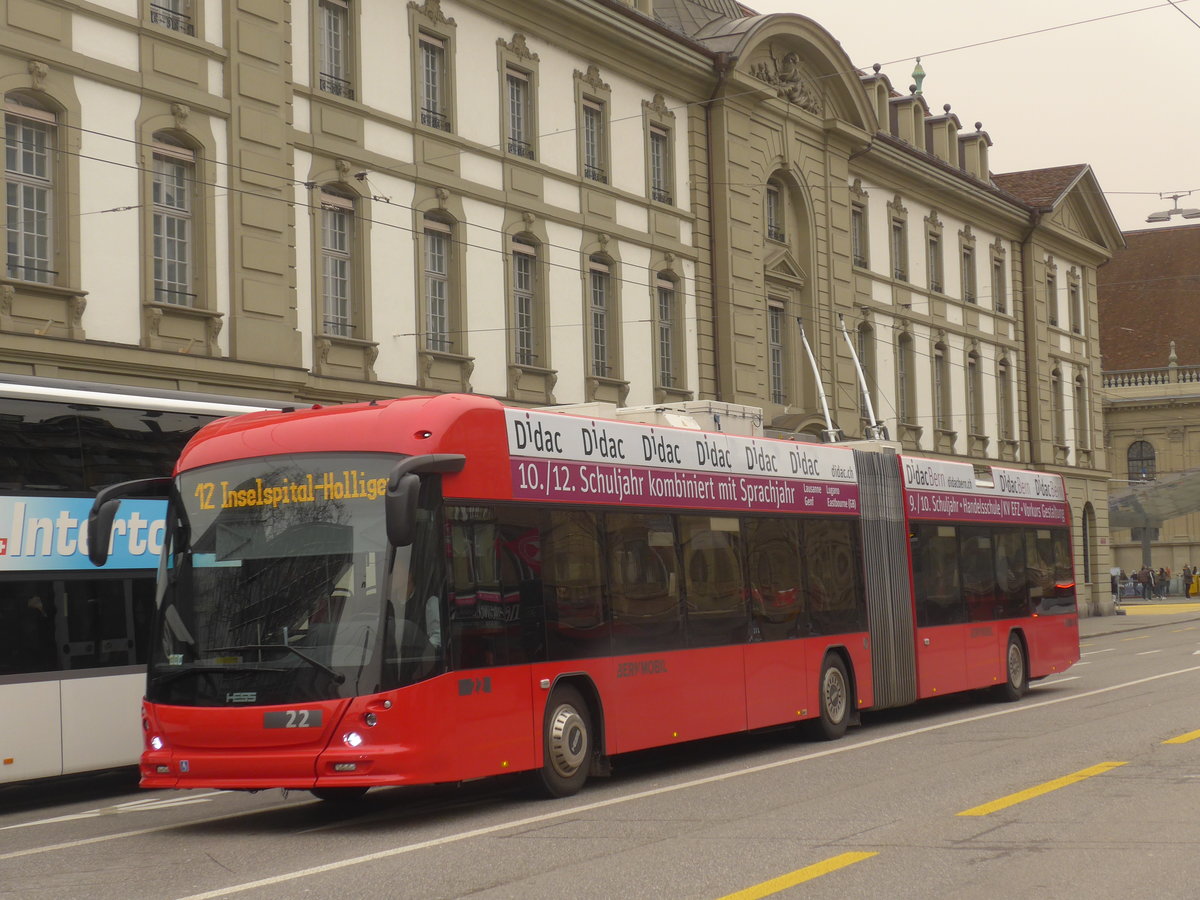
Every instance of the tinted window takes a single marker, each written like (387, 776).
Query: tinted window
(69, 624)
(776, 598)
(1050, 571)
(495, 603)
(1010, 573)
(715, 588)
(71, 447)
(935, 573)
(572, 585)
(643, 583)
(977, 556)
(833, 582)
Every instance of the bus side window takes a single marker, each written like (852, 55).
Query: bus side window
(643, 583)
(776, 600)
(715, 589)
(573, 587)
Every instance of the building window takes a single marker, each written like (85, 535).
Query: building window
(1052, 299)
(520, 114)
(337, 242)
(904, 379)
(661, 175)
(865, 340)
(941, 389)
(1082, 420)
(1057, 422)
(974, 394)
(595, 158)
(601, 314)
(173, 14)
(667, 323)
(334, 48)
(776, 387)
(774, 211)
(172, 222)
(29, 168)
(858, 235)
(438, 243)
(968, 274)
(1140, 461)
(999, 285)
(1004, 400)
(525, 311)
(899, 247)
(934, 260)
(1074, 299)
(433, 96)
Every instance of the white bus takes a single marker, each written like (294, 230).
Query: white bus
(73, 638)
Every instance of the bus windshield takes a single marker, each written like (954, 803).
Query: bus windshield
(273, 582)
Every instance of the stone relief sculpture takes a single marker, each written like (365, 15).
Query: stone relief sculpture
(789, 80)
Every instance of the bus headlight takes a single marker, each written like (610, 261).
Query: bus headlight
(371, 719)
(352, 739)
(156, 742)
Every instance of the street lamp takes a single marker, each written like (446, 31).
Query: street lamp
(1165, 215)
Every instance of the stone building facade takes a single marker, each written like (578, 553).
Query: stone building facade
(546, 201)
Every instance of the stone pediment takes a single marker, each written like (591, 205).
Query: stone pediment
(1073, 216)
(781, 266)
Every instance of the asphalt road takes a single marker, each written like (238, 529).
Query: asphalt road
(1089, 787)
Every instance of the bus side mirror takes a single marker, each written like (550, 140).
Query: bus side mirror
(401, 509)
(99, 530)
(104, 511)
(404, 487)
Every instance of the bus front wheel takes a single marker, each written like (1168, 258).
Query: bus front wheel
(1015, 681)
(834, 699)
(566, 743)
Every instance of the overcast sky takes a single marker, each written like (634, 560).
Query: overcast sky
(1117, 91)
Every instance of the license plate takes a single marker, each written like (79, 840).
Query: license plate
(293, 718)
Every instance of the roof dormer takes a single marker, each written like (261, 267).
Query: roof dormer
(941, 134)
(973, 153)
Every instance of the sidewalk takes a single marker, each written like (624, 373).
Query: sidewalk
(1141, 614)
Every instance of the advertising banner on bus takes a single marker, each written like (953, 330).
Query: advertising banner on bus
(572, 459)
(50, 534)
(942, 490)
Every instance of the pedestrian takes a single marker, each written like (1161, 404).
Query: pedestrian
(1160, 582)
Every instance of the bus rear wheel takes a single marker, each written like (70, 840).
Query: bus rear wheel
(834, 699)
(339, 794)
(1015, 681)
(566, 743)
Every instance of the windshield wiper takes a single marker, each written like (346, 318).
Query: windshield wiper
(338, 677)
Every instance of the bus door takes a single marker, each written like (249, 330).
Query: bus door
(941, 612)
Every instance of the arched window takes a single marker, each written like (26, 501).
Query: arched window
(526, 302)
(941, 389)
(30, 141)
(773, 211)
(1004, 399)
(338, 314)
(666, 322)
(440, 329)
(905, 410)
(1057, 422)
(865, 348)
(1082, 419)
(1141, 461)
(173, 221)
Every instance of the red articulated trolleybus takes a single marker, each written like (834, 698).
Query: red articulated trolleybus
(436, 589)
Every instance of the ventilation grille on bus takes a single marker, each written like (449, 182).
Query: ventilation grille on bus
(885, 551)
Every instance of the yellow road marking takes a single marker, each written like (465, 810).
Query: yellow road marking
(1183, 738)
(808, 873)
(1029, 794)
(1144, 637)
(1161, 609)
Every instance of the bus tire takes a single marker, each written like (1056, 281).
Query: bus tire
(1016, 680)
(566, 743)
(339, 794)
(834, 699)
